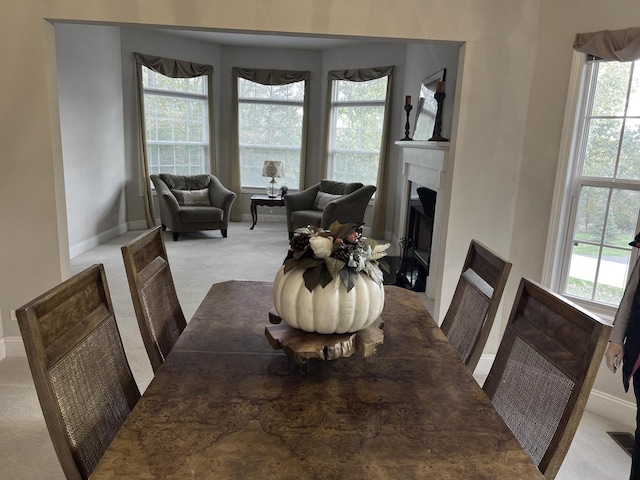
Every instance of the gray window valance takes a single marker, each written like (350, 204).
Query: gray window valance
(619, 45)
(361, 75)
(270, 77)
(173, 68)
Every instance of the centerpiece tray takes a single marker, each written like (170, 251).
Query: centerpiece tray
(303, 346)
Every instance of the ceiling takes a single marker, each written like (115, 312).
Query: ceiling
(268, 40)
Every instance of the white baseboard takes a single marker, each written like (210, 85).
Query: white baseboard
(88, 244)
(12, 347)
(613, 408)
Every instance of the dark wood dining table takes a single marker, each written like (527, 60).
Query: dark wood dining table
(226, 405)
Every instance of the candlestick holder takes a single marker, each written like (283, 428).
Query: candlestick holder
(407, 126)
(437, 127)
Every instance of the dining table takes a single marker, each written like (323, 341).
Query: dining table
(226, 405)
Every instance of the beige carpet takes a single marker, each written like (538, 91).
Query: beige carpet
(198, 260)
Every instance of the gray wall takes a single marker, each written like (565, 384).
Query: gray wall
(100, 59)
(91, 119)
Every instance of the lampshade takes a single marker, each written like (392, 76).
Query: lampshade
(273, 169)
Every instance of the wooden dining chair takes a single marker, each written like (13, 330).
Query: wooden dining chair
(153, 292)
(544, 370)
(470, 316)
(81, 374)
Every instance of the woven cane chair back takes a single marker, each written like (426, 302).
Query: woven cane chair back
(153, 292)
(81, 374)
(544, 370)
(470, 316)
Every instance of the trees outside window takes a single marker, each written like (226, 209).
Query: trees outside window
(270, 121)
(604, 206)
(356, 127)
(176, 123)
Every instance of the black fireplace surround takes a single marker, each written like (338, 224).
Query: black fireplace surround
(416, 244)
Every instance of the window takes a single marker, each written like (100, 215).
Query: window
(270, 121)
(604, 205)
(356, 126)
(176, 123)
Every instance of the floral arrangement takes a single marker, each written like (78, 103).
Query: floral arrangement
(340, 251)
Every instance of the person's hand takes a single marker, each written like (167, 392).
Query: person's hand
(613, 356)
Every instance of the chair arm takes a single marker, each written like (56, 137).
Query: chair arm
(302, 200)
(164, 195)
(219, 195)
(171, 202)
(348, 208)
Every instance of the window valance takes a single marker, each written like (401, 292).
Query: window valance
(620, 45)
(270, 77)
(170, 67)
(361, 75)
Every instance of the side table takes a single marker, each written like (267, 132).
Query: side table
(265, 201)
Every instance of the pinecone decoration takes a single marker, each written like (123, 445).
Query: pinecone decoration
(299, 242)
(342, 253)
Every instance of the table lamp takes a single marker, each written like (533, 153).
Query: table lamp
(273, 169)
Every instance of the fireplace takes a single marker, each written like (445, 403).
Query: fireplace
(417, 241)
(424, 206)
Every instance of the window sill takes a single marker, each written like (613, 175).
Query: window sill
(606, 313)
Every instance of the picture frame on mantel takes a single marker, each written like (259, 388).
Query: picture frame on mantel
(427, 125)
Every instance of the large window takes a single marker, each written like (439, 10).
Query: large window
(270, 122)
(604, 205)
(176, 123)
(356, 126)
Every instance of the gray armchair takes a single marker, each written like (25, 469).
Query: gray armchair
(190, 203)
(326, 202)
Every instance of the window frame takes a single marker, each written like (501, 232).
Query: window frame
(206, 116)
(331, 148)
(270, 102)
(567, 186)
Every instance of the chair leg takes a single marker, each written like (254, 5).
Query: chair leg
(164, 227)
(224, 233)
(175, 236)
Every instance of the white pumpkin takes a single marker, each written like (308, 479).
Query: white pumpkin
(330, 309)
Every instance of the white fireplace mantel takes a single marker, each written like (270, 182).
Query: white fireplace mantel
(426, 164)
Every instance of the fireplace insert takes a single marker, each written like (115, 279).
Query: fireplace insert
(416, 245)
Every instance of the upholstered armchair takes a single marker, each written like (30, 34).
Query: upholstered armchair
(326, 202)
(190, 203)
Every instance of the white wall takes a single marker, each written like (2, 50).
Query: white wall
(91, 119)
(489, 133)
(510, 104)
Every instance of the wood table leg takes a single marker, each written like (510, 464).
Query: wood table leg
(254, 214)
